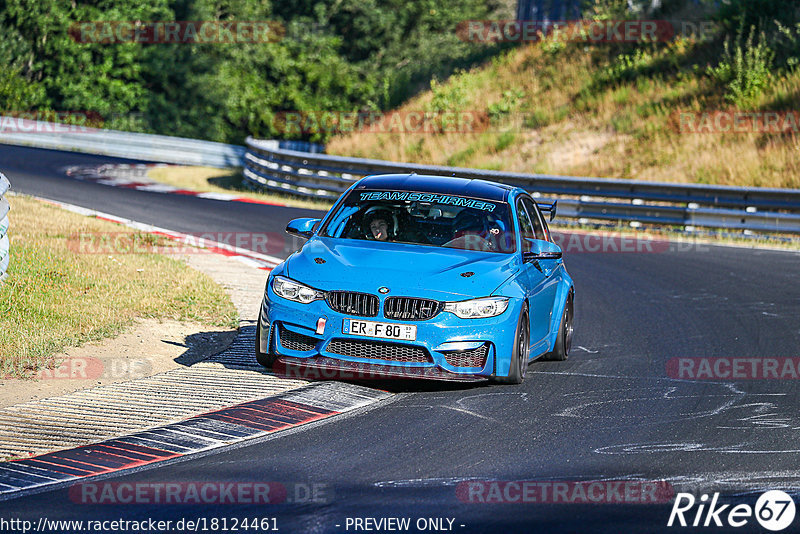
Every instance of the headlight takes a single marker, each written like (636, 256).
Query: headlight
(291, 290)
(478, 308)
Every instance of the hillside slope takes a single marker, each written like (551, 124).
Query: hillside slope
(648, 112)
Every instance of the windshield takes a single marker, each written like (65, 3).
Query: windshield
(424, 219)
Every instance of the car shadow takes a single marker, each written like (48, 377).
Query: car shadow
(420, 385)
(240, 353)
(205, 345)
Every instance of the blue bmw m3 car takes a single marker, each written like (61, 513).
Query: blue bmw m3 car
(421, 276)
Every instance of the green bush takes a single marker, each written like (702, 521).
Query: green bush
(18, 92)
(505, 140)
(448, 97)
(624, 67)
(339, 55)
(606, 9)
(538, 118)
(508, 103)
(787, 45)
(744, 69)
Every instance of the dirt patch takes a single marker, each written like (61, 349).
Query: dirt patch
(148, 348)
(577, 149)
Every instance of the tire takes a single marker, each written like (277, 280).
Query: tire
(522, 351)
(267, 359)
(563, 344)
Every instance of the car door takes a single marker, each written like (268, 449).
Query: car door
(543, 276)
(541, 282)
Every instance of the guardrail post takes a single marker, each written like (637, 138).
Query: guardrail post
(5, 244)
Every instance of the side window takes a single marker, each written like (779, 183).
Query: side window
(525, 226)
(538, 225)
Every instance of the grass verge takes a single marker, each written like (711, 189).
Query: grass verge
(213, 180)
(57, 296)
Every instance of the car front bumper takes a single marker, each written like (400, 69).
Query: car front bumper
(281, 318)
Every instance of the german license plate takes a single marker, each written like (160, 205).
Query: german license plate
(406, 332)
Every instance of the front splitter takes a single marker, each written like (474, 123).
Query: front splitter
(324, 368)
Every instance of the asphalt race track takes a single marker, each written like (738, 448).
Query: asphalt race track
(611, 412)
(38, 172)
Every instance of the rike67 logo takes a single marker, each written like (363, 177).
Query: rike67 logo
(774, 510)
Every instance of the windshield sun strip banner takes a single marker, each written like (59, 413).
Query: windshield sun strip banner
(435, 198)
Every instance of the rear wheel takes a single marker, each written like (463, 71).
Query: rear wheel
(563, 344)
(522, 351)
(267, 359)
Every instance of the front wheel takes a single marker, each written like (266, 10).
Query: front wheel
(521, 354)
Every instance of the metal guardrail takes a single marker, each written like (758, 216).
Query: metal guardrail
(299, 168)
(5, 244)
(147, 147)
(271, 166)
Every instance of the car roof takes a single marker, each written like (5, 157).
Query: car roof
(445, 185)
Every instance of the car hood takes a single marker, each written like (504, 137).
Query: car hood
(407, 270)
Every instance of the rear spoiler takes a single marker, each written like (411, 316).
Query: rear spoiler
(551, 208)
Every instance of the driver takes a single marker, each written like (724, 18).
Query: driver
(384, 225)
(378, 223)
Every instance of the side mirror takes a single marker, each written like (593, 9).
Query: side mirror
(540, 250)
(304, 228)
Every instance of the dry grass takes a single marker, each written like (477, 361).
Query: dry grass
(561, 118)
(213, 180)
(56, 296)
